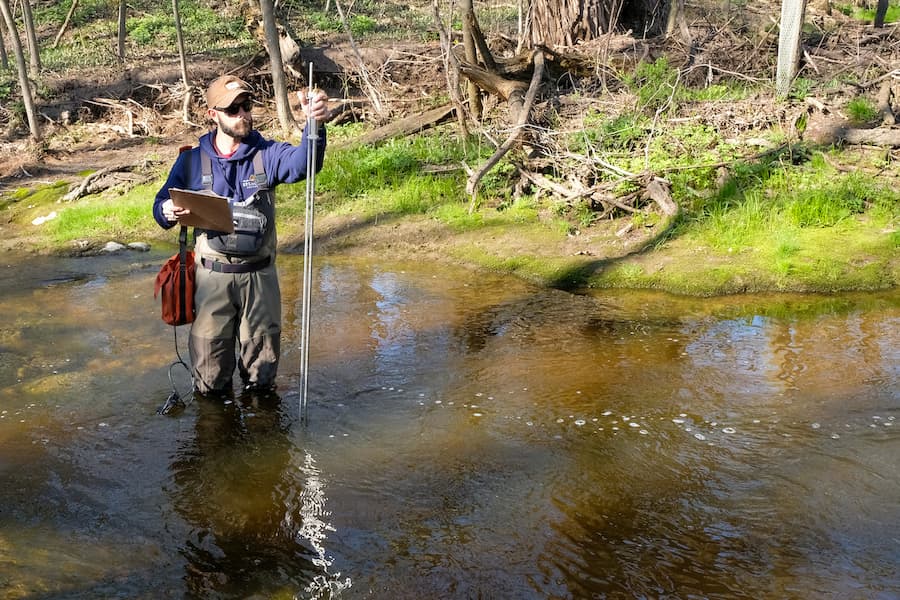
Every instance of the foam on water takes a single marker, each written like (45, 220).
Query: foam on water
(607, 421)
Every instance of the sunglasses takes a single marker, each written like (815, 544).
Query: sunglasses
(234, 109)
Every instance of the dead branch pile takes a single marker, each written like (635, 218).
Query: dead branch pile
(531, 104)
(542, 110)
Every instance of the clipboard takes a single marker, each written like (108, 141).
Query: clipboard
(208, 210)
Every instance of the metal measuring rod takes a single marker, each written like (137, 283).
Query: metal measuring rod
(312, 135)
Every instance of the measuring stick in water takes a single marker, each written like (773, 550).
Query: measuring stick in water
(312, 136)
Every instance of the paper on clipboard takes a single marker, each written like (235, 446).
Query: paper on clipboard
(208, 210)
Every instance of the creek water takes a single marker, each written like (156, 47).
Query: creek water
(469, 436)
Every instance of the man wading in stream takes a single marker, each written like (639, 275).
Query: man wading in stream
(238, 299)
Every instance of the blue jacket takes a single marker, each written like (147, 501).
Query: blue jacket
(233, 176)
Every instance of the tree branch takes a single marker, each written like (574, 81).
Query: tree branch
(65, 24)
(522, 119)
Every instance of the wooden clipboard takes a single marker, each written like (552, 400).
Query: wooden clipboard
(208, 210)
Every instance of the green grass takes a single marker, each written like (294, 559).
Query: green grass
(389, 178)
(203, 27)
(861, 110)
(367, 20)
(801, 87)
(655, 85)
(91, 36)
(765, 198)
(718, 93)
(30, 203)
(88, 12)
(868, 14)
(458, 218)
(618, 133)
(122, 218)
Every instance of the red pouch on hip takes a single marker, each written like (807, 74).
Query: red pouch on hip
(175, 285)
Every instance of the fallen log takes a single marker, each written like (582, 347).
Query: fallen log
(492, 82)
(81, 189)
(109, 177)
(406, 126)
(880, 136)
(658, 190)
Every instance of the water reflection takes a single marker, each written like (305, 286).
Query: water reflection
(254, 506)
(469, 436)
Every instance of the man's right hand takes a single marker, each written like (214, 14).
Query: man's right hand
(172, 213)
(314, 105)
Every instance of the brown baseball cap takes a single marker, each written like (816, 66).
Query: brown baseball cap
(222, 91)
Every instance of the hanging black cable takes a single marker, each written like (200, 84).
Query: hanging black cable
(177, 400)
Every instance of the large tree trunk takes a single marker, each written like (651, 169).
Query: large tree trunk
(24, 83)
(564, 22)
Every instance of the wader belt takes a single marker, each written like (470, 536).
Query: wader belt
(222, 267)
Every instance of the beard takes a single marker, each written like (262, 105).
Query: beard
(239, 130)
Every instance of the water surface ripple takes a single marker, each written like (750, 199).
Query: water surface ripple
(470, 436)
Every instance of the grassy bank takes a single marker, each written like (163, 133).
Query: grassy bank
(762, 205)
(777, 224)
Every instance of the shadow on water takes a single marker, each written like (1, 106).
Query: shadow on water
(469, 436)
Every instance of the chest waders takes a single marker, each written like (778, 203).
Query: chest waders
(238, 298)
(251, 217)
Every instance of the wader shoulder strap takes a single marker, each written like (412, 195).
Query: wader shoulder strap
(182, 265)
(205, 170)
(259, 172)
(182, 242)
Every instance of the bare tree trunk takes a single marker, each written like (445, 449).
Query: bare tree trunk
(471, 53)
(179, 36)
(24, 83)
(521, 8)
(677, 20)
(65, 24)
(4, 59)
(120, 38)
(34, 52)
(278, 81)
(451, 69)
(880, 12)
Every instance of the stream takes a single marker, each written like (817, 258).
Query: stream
(469, 436)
